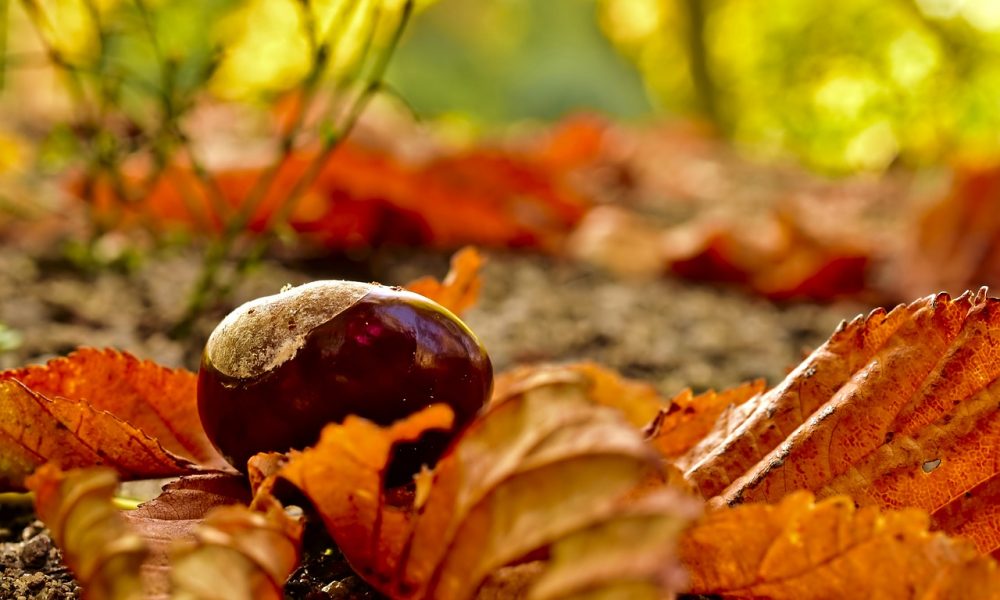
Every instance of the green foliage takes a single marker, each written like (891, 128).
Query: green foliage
(855, 84)
(497, 61)
(135, 70)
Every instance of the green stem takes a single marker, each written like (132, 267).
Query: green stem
(217, 253)
(701, 72)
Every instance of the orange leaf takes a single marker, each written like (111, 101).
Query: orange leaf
(97, 545)
(638, 401)
(544, 471)
(896, 409)
(460, 288)
(195, 534)
(689, 418)
(247, 554)
(955, 243)
(365, 196)
(799, 549)
(160, 402)
(174, 515)
(785, 260)
(35, 429)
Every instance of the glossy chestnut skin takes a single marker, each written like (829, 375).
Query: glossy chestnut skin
(381, 353)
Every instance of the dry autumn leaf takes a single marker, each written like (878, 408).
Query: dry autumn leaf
(460, 288)
(364, 197)
(174, 515)
(799, 549)
(638, 401)
(237, 554)
(782, 259)
(779, 257)
(688, 418)
(955, 242)
(196, 534)
(896, 409)
(160, 402)
(546, 469)
(35, 429)
(97, 545)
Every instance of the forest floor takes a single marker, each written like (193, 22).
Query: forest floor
(671, 333)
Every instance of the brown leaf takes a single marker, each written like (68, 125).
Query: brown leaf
(365, 196)
(955, 242)
(688, 419)
(194, 534)
(161, 402)
(781, 256)
(174, 515)
(638, 401)
(897, 409)
(782, 259)
(544, 470)
(623, 557)
(799, 549)
(974, 515)
(35, 429)
(97, 545)
(460, 288)
(238, 554)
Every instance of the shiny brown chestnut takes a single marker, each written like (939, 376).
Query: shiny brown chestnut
(279, 368)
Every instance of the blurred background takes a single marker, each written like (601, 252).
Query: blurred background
(855, 85)
(860, 85)
(739, 174)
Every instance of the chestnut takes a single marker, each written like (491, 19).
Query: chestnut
(279, 368)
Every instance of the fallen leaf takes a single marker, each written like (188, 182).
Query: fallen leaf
(35, 429)
(798, 549)
(954, 244)
(460, 288)
(687, 419)
(238, 554)
(96, 543)
(174, 515)
(545, 470)
(622, 557)
(974, 515)
(781, 259)
(778, 256)
(365, 197)
(638, 401)
(896, 409)
(160, 402)
(619, 241)
(192, 541)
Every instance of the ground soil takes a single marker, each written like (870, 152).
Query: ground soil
(671, 333)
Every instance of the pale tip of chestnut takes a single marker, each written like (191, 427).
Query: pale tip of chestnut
(263, 334)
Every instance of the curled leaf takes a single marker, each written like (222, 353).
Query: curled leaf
(238, 554)
(195, 534)
(544, 471)
(174, 515)
(800, 549)
(460, 288)
(160, 402)
(97, 544)
(638, 401)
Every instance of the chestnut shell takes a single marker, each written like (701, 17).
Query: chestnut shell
(381, 353)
